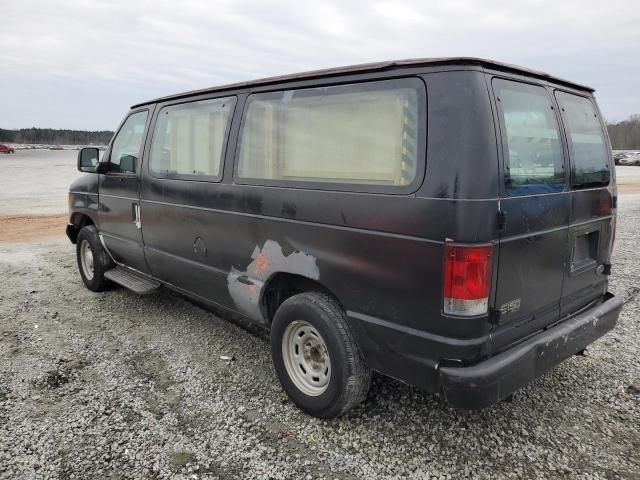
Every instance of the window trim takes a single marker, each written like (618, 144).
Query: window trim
(411, 81)
(223, 153)
(145, 133)
(572, 183)
(502, 136)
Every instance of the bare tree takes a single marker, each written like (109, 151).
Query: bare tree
(625, 135)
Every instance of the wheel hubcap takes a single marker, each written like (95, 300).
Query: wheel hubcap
(306, 358)
(86, 259)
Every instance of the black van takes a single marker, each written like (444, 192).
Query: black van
(446, 222)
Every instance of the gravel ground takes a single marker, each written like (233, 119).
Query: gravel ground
(116, 386)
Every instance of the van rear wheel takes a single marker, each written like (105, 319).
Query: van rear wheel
(316, 357)
(93, 259)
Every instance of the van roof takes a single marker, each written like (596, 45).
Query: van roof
(376, 67)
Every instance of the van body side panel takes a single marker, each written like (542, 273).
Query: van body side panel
(374, 252)
(381, 255)
(389, 284)
(461, 142)
(83, 197)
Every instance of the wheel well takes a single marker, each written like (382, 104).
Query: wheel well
(79, 220)
(284, 285)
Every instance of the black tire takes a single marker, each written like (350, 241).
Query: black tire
(101, 259)
(350, 378)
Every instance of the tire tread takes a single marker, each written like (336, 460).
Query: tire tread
(358, 382)
(101, 258)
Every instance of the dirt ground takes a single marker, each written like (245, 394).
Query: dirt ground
(24, 228)
(631, 187)
(117, 386)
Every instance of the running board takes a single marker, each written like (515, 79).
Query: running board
(135, 282)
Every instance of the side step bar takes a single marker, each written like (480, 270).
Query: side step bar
(131, 280)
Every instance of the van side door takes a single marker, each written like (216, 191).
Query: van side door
(119, 193)
(592, 194)
(183, 198)
(535, 203)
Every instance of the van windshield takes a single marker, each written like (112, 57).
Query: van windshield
(531, 140)
(588, 150)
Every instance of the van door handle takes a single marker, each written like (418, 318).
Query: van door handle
(135, 210)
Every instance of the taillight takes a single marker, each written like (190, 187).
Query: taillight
(467, 279)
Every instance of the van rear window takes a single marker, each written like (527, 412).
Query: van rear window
(531, 139)
(367, 133)
(588, 149)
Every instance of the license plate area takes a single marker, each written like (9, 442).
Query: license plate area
(584, 254)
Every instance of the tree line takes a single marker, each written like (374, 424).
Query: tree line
(625, 135)
(51, 136)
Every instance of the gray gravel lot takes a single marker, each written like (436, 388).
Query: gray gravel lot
(115, 386)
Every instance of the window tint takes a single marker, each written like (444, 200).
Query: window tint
(353, 134)
(188, 139)
(531, 141)
(588, 150)
(127, 145)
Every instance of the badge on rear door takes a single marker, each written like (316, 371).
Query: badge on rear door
(510, 307)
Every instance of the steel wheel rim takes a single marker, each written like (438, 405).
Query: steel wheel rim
(306, 358)
(86, 259)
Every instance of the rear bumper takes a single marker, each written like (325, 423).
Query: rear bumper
(492, 380)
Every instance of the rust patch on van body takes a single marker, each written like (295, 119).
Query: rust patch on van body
(245, 287)
(260, 264)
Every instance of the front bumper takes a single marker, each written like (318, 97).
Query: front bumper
(496, 378)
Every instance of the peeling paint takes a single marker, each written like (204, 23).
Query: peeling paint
(259, 265)
(245, 287)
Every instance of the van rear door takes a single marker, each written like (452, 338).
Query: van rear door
(592, 214)
(535, 207)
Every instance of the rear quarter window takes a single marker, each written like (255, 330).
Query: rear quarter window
(588, 151)
(530, 139)
(342, 137)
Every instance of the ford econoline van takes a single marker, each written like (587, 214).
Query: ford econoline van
(446, 222)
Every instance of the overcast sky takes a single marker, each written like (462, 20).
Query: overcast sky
(82, 64)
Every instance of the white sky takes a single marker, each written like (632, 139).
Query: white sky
(81, 64)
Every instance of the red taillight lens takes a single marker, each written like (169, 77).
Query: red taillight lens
(467, 279)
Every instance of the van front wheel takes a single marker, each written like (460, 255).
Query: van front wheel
(93, 259)
(316, 357)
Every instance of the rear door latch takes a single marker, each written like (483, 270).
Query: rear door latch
(502, 220)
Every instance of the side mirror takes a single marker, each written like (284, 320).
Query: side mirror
(88, 159)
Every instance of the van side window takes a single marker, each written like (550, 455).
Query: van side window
(127, 144)
(188, 139)
(588, 150)
(530, 139)
(365, 133)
